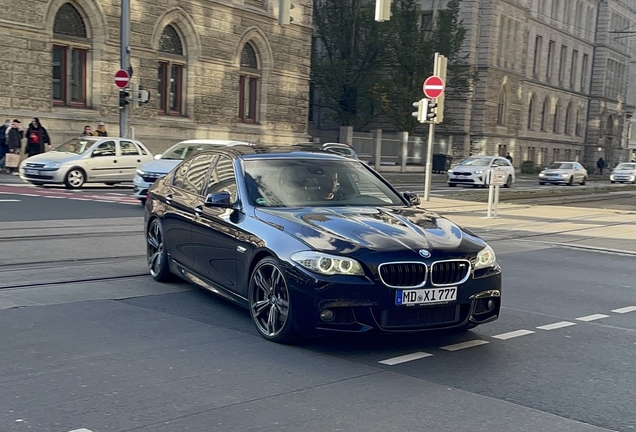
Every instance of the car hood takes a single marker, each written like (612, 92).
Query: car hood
(624, 171)
(349, 229)
(469, 168)
(556, 171)
(53, 156)
(161, 166)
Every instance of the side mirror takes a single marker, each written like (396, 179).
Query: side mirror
(158, 156)
(412, 198)
(218, 199)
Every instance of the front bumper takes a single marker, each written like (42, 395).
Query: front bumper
(364, 305)
(140, 187)
(554, 179)
(622, 178)
(43, 176)
(466, 178)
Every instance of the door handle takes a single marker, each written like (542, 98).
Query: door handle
(115, 161)
(198, 210)
(168, 199)
(138, 160)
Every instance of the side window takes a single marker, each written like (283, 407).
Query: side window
(179, 176)
(141, 149)
(105, 149)
(222, 178)
(128, 149)
(197, 173)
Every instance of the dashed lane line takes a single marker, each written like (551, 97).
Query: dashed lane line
(625, 310)
(464, 345)
(81, 430)
(513, 334)
(405, 358)
(53, 196)
(592, 317)
(9, 200)
(557, 325)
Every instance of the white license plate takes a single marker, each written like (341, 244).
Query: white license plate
(31, 172)
(460, 177)
(425, 296)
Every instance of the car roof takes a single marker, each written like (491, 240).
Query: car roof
(252, 152)
(565, 162)
(217, 142)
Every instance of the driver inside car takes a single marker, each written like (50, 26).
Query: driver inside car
(323, 188)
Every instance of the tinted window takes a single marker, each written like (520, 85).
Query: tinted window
(561, 165)
(222, 178)
(143, 150)
(105, 149)
(476, 162)
(196, 174)
(179, 176)
(184, 151)
(314, 182)
(76, 145)
(128, 149)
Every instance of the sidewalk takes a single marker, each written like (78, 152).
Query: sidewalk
(418, 177)
(572, 226)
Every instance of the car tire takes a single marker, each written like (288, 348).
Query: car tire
(584, 181)
(156, 255)
(110, 184)
(452, 184)
(612, 182)
(269, 299)
(143, 202)
(37, 183)
(508, 184)
(541, 183)
(571, 181)
(75, 178)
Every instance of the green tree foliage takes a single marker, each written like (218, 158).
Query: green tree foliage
(365, 69)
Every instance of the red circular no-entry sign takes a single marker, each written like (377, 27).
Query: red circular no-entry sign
(433, 87)
(122, 78)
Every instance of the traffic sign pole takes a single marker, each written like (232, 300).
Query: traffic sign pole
(124, 112)
(433, 89)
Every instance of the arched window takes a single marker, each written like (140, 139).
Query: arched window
(557, 117)
(71, 45)
(249, 85)
(531, 108)
(568, 119)
(172, 60)
(502, 107)
(545, 109)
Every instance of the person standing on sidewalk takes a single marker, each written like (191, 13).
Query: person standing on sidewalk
(600, 164)
(37, 138)
(3, 141)
(101, 130)
(14, 136)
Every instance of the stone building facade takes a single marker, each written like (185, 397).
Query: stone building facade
(552, 80)
(214, 68)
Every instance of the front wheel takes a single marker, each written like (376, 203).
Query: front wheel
(452, 184)
(75, 178)
(270, 304)
(584, 181)
(571, 181)
(156, 252)
(508, 182)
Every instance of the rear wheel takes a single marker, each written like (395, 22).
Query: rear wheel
(508, 182)
(156, 252)
(452, 184)
(270, 304)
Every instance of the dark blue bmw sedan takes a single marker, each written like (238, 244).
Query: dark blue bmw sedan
(312, 242)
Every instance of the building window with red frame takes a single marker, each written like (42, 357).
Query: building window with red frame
(170, 69)
(249, 85)
(71, 47)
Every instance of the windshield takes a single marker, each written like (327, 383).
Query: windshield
(626, 166)
(559, 165)
(184, 151)
(476, 162)
(76, 145)
(314, 183)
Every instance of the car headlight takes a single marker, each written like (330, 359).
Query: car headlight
(479, 172)
(327, 264)
(52, 165)
(485, 258)
(450, 171)
(565, 175)
(541, 174)
(140, 172)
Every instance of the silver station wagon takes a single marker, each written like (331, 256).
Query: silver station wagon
(87, 160)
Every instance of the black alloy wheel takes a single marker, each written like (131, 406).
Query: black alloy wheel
(156, 252)
(270, 305)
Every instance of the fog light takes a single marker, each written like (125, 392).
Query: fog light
(326, 315)
(491, 304)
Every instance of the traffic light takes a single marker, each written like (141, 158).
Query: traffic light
(284, 8)
(431, 112)
(123, 98)
(422, 107)
(139, 95)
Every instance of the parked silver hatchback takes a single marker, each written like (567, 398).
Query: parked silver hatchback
(86, 160)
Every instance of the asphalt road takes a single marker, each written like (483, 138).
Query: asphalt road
(90, 342)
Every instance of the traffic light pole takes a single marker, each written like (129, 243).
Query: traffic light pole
(429, 162)
(124, 111)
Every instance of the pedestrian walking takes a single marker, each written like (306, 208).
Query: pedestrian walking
(101, 130)
(14, 136)
(3, 142)
(37, 137)
(509, 158)
(600, 164)
(87, 131)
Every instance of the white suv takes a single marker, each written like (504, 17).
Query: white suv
(472, 171)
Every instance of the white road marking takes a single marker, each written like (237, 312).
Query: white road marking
(592, 317)
(101, 200)
(9, 200)
(405, 358)
(131, 203)
(556, 325)
(31, 195)
(513, 334)
(81, 430)
(625, 309)
(52, 196)
(81, 199)
(463, 345)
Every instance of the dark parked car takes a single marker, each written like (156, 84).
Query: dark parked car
(312, 242)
